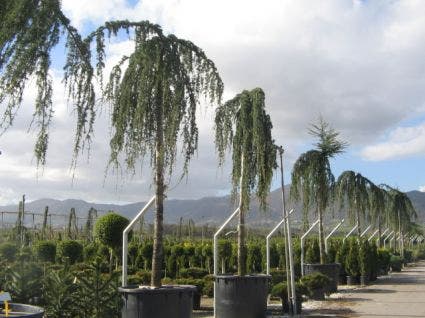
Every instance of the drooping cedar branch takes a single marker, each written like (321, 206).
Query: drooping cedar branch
(242, 124)
(28, 33)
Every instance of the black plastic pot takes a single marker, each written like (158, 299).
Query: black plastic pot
(197, 299)
(352, 280)
(331, 270)
(241, 296)
(25, 311)
(364, 280)
(164, 302)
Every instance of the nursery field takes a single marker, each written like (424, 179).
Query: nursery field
(77, 274)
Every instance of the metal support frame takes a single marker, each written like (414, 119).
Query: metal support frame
(291, 265)
(331, 233)
(387, 237)
(302, 244)
(365, 231)
(382, 235)
(125, 238)
(349, 233)
(230, 218)
(215, 247)
(268, 241)
(373, 235)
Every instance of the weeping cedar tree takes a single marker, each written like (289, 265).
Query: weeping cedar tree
(242, 124)
(401, 212)
(154, 101)
(153, 92)
(312, 178)
(354, 190)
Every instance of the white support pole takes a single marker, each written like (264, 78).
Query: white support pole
(125, 239)
(382, 235)
(331, 233)
(373, 235)
(387, 237)
(215, 248)
(216, 239)
(365, 231)
(349, 233)
(302, 244)
(291, 265)
(268, 242)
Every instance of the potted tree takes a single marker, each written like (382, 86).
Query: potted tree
(154, 94)
(313, 182)
(243, 125)
(364, 262)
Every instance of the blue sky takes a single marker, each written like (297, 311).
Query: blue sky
(358, 64)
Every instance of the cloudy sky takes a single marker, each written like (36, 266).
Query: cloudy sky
(358, 64)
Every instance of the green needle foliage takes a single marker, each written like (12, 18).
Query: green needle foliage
(354, 189)
(154, 93)
(312, 178)
(243, 125)
(28, 33)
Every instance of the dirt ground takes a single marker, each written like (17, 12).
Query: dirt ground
(396, 295)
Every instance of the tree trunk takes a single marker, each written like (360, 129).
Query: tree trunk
(158, 252)
(241, 244)
(379, 231)
(359, 231)
(321, 238)
(241, 228)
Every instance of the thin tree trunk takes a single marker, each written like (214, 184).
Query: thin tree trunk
(321, 238)
(158, 253)
(241, 229)
(379, 231)
(359, 231)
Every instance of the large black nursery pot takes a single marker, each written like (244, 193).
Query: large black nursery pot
(241, 296)
(24, 311)
(167, 301)
(331, 270)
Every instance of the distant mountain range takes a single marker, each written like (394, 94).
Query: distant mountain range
(209, 210)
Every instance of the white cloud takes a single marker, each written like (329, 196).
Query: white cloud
(403, 142)
(358, 63)
(422, 188)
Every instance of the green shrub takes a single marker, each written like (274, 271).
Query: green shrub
(384, 257)
(193, 272)
(108, 230)
(312, 255)
(8, 251)
(365, 265)
(315, 281)
(278, 276)
(408, 256)
(70, 251)
(45, 251)
(352, 262)
(396, 263)
(140, 278)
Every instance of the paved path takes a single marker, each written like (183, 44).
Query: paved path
(396, 295)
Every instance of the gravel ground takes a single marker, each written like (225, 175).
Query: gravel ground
(396, 295)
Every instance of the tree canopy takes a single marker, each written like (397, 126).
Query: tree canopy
(243, 125)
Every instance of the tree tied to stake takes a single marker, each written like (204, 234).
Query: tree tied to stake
(242, 124)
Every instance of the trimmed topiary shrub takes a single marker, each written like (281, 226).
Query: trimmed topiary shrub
(193, 272)
(108, 229)
(45, 251)
(70, 251)
(315, 285)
